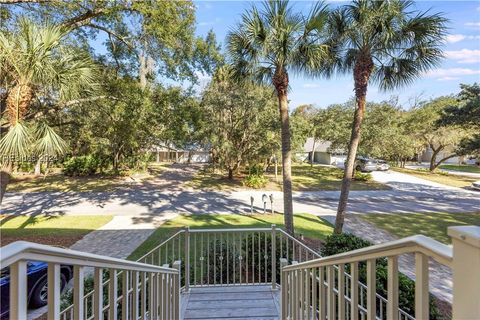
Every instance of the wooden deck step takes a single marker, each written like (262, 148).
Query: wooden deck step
(231, 302)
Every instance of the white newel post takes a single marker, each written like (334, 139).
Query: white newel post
(466, 271)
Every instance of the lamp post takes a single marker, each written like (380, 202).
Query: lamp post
(264, 199)
(271, 202)
(251, 204)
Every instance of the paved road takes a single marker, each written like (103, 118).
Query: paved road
(147, 202)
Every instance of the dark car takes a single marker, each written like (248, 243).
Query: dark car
(36, 285)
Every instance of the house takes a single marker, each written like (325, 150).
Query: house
(171, 153)
(321, 152)
(426, 156)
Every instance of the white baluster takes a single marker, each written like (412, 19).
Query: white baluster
(18, 290)
(371, 290)
(78, 293)
(392, 298)
(421, 287)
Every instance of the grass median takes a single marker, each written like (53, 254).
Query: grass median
(55, 230)
(433, 224)
(308, 225)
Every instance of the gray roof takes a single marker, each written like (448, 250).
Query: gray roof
(320, 146)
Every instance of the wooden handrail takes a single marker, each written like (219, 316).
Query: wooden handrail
(24, 250)
(419, 243)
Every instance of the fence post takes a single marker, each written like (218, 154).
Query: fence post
(187, 259)
(274, 257)
(284, 288)
(466, 275)
(176, 292)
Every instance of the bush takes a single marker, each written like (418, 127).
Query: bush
(81, 166)
(360, 176)
(255, 181)
(339, 243)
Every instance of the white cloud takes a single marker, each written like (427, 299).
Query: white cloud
(464, 55)
(473, 24)
(448, 74)
(453, 38)
(206, 23)
(448, 78)
(311, 85)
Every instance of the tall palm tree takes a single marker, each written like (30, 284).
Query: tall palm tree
(34, 63)
(387, 43)
(269, 44)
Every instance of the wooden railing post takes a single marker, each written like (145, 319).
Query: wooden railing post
(422, 310)
(53, 288)
(18, 290)
(284, 288)
(466, 274)
(98, 294)
(78, 293)
(176, 292)
(187, 259)
(274, 257)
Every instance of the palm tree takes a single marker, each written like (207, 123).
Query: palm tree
(34, 66)
(266, 46)
(387, 43)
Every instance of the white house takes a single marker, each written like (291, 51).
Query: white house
(174, 154)
(426, 156)
(321, 152)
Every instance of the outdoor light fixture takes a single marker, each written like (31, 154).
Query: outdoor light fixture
(271, 202)
(251, 204)
(264, 199)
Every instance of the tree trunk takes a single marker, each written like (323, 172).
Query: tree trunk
(4, 180)
(313, 154)
(286, 165)
(18, 101)
(38, 167)
(433, 158)
(437, 164)
(230, 173)
(362, 70)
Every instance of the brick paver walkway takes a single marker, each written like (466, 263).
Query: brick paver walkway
(440, 275)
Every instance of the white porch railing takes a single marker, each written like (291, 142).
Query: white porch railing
(318, 289)
(145, 291)
(246, 256)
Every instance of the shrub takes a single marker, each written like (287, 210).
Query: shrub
(339, 243)
(360, 176)
(81, 166)
(255, 181)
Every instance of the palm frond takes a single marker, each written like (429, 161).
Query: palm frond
(15, 144)
(48, 143)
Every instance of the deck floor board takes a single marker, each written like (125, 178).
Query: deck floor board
(232, 303)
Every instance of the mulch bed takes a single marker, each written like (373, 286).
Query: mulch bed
(52, 240)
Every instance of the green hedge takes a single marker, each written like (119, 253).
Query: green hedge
(347, 242)
(81, 166)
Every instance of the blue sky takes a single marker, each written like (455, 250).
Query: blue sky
(462, 63)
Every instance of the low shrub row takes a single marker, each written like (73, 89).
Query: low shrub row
(339, 243)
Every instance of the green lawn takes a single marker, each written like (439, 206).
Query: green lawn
(53, 229)
(306, 224)
(452, 180)
(318, 177)
(304, 178)
(461, 167)
(433, 225)
(59, 182)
